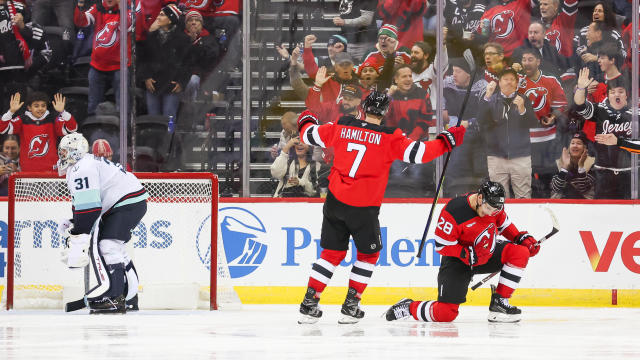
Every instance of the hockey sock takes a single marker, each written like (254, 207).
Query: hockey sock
(435, 311)
(515, 259)
(322, 270)
(131, 281)
(361, 272)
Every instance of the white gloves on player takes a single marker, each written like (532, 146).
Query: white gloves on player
(76, 252)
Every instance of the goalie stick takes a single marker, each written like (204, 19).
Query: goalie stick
(553, 231)
(468, 57)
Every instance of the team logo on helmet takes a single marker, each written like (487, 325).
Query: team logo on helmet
(244, 241)
(39, 146)
(502, 24)
(538, 97)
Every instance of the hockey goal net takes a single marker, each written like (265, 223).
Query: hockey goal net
(180, 262)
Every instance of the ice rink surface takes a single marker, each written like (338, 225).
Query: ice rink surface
(271, 332)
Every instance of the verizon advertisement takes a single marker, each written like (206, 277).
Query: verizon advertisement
(274, 244)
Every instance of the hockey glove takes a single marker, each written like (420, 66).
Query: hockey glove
(523, 238)
(76, 255)
(452, 137)
(306, 117)
(469, 256)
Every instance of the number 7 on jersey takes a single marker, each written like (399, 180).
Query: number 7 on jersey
(361, 149)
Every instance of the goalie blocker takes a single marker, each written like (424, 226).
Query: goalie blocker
(108, 203)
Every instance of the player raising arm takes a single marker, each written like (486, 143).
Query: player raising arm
(466, 239)
(104, 191)
(364, 151)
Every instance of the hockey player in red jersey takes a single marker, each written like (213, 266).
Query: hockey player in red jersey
(364, 151)
(38, 129)
(466, 239)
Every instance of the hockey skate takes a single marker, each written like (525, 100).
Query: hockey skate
(309, 308)
(132, 304)
(399, 310)
(108, 305)
(351, 309)
(501, 311)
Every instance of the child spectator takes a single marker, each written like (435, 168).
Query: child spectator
(9, 159)
(38, 129)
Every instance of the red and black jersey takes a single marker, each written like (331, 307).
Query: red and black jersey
(411, 112)
(459, 227)
(546, 95)
(561, 31)
(38, 136)
(508, 24)
(407, 16)
(363, 155)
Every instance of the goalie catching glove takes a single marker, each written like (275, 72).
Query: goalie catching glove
(452, 137)
(523, 238)
(76, 251)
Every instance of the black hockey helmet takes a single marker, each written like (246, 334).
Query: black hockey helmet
(492, 193)
(376, 103)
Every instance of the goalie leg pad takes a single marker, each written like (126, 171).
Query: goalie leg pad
(113, 251)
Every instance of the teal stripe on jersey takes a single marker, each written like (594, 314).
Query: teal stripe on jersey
(133, 200)
(88, 199)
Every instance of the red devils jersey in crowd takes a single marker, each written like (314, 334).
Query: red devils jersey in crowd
(328, 111)
(411, 112)
(407, 16)
(459, 226)
(38, 149)
(508, 24)
(363, 155)
(106, 42)
(546, 94)
(560, 33)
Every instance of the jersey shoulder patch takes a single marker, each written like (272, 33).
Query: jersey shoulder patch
(460, 210)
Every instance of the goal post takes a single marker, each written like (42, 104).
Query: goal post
(176, 250)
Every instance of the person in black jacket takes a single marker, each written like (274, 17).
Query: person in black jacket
(202, 55)
(162, 63)
(505, 118)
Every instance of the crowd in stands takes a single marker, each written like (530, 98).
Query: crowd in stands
(545, 82)
(548, 82)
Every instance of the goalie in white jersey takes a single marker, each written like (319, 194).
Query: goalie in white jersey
(109, 201)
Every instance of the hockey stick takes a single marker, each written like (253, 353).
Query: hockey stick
(553, 231)
(468, 56)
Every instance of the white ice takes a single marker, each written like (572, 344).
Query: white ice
(271, 332)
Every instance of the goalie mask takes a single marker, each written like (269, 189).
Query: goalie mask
(71, 149)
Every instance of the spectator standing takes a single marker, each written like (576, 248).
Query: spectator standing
(331, 90)
(15, 55)
(574, 179)
(63, 10)
(603, 13)
(549, 103)
(9, 161)
(551, 63)
(598, 35)
(335, 45)
(163, 66)
(468, 164)
(201, 56)
(608, 60)
(387, 46)
(357, 24)
(411, 108)
(462, 19)
(423, 71)
(494, 61)
(559, 21)
(505, 118)
(38, 129)
(105, 57)
(613, 116)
